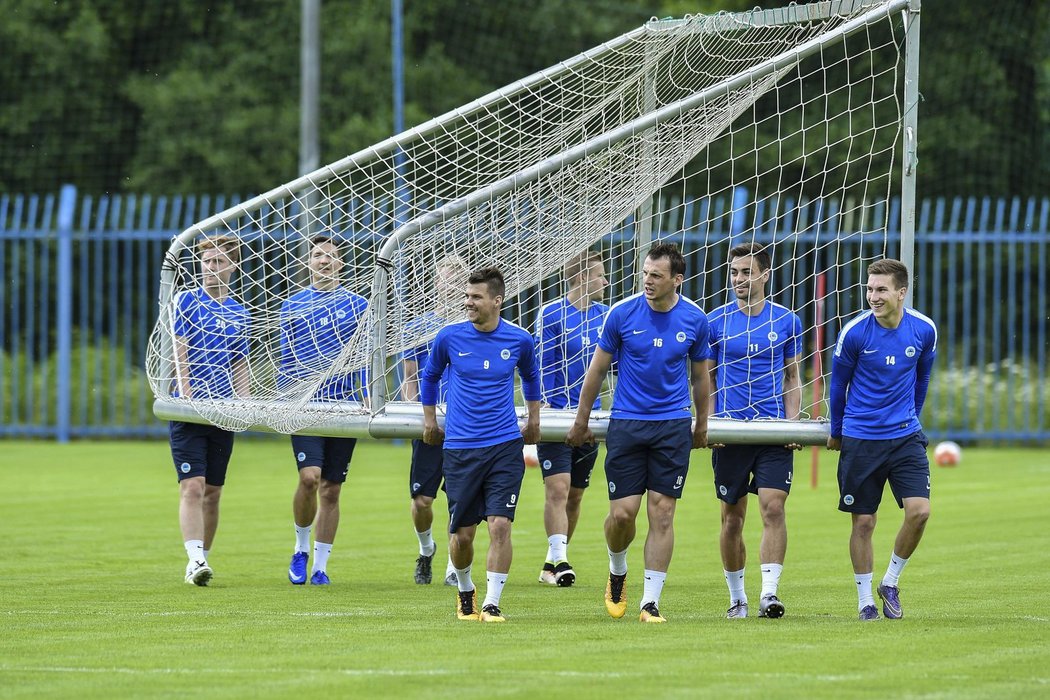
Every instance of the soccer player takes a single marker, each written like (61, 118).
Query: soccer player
(756, 345)
(661, 343)
(568, 333)
(879, 377)
(483, 461)
(316, 323)
(425, 473)
(211, 362)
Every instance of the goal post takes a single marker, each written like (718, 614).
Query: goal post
(793, 127)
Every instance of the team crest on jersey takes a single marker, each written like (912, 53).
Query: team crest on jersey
(680, 337)
(909, 351)
(772, 336)
(722, 490)
(848, 499)
(504, 353)
(301, 457)
(612, 487)
(340, 314)
(546, 465)
(185, 467)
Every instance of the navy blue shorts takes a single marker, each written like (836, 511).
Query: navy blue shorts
(866, 465)
(647, 455)
(559, 458)
(331, 454)
(200, 450)
(743, 469)
(483, 481)
(424, 477)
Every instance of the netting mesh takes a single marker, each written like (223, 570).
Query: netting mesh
(708, 131)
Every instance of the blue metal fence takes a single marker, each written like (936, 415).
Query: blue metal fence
(79, 290)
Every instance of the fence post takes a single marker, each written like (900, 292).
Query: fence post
(64, 276)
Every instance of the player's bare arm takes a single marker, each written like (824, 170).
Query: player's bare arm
(432, 432)
(580, 432)
(792, 394)
(531, 432)
(700, 379)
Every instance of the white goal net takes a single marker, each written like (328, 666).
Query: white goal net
(784, 127)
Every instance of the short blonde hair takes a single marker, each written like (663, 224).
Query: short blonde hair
(228, 245)
(577, 264)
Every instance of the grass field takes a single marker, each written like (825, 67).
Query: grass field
(92, 601)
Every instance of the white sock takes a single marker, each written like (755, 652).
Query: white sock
(771, 578)
(450, 568)
(195, 550)
(735, 581)
(494, 588)
(426, 543)
(618, 562)
(321, 552)
(302, 539)
(893, 571)
(654, 586)
(557, 546)
(206, 554)
(864, 595)
(463, 579)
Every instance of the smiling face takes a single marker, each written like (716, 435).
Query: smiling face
(748, 280)
(325, 264)
(659, 283)
(886, 299)
(482, 308)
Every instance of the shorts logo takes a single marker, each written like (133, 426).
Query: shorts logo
(504, 353)
(909, 351)
(723, 490)
(848, 499)
(184, 467)
(513, 500)
(788, 480)
(678, 482)
(612, 487)
(301, 457)
(546, 465)
(772, 336)
(680, 337)
(415, 486)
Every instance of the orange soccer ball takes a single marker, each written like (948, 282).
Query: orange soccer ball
(947, 454)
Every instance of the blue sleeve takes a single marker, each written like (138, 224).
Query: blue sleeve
(528, 370)
(842, 367)
(430, 374)
(701, 348)
(794, 348)
(551, 360)
(609, 338)
(923, 370)
(182, 324)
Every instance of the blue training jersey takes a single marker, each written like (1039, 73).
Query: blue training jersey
(566, 338)
(653, 350)
(216, 336)
(428, 323)
(480, 410)
(750, 352)
(879, 376)
(315, 326)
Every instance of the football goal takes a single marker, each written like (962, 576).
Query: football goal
(794, 128)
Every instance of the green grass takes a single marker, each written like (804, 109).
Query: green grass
(92, 601)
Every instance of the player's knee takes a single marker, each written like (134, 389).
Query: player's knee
(309, 479)
(499, 529)
(192, 489)
(574, 499)
(918, 515)
(422, 503)
(863, 525)
(732, 523)
(773, 512)
(329, 492)
(212, 494)
(622, 518)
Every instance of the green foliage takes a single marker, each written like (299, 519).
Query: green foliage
(1002, 395)
(199, 96)
(86, 621)
(107, 389)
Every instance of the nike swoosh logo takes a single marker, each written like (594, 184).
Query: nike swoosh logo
(512, 505)
(868, 352)
(463, 354)
(636, 332)
(291, 575)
